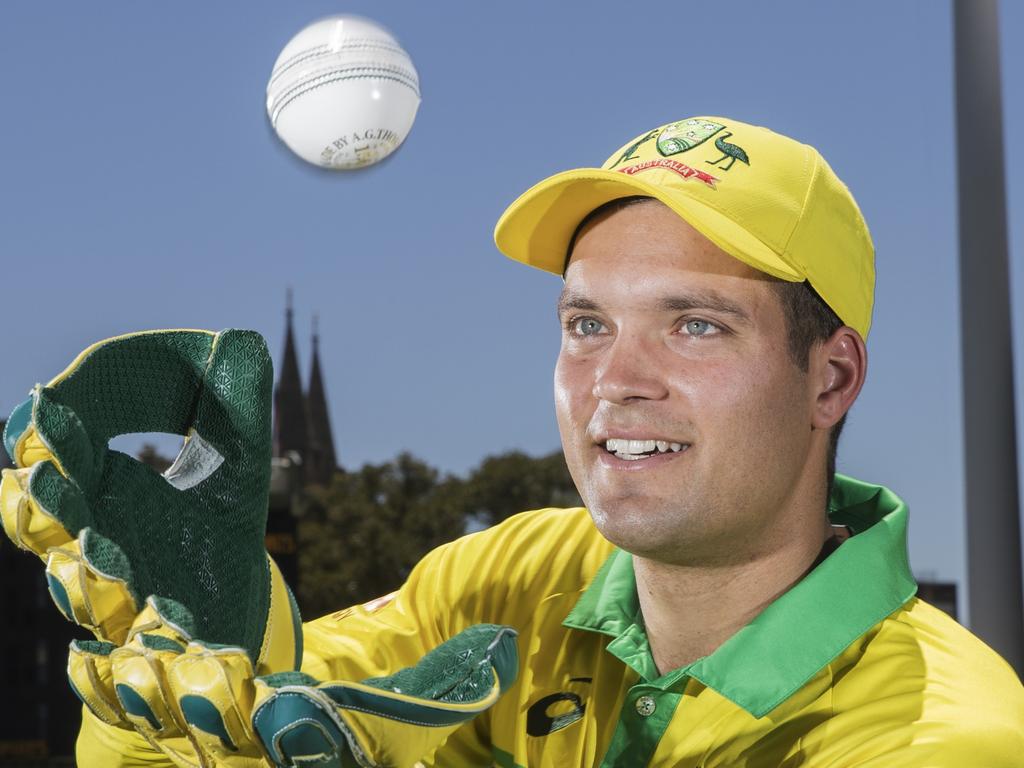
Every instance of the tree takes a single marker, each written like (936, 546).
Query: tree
(513, 482)
(361, 536)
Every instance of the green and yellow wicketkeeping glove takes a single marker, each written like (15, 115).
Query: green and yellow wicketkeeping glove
(292, 720)
(146, 561)
(170, 572)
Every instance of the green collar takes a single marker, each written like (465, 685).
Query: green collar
(759, 667)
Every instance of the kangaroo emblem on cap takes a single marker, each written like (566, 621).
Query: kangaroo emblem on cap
(630, 152)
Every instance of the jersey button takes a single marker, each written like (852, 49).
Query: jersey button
(645, 706)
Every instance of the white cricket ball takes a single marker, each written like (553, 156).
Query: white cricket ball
(343, 93)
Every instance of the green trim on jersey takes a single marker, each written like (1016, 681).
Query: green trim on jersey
(759, 667)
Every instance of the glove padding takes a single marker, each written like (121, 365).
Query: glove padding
(224, 716)
(146, 561)
(290, 719)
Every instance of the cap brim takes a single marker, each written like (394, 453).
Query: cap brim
(537, 227)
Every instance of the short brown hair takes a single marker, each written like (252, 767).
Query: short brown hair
(809, 321)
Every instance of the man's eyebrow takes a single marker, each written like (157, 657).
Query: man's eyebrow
(569, 301)
(703, 300)
(682, 302)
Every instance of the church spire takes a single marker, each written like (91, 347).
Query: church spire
(321, 461)
(289, 407)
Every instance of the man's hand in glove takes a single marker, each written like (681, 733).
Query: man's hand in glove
(146, 561)
(171, 574)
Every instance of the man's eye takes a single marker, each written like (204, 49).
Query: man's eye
(699, 328)
(585, 326)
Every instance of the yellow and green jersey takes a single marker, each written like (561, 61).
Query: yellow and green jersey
(845, 669)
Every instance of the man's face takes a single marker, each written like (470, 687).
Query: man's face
(667, 338)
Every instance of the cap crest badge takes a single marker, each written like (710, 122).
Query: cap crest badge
(686, 134)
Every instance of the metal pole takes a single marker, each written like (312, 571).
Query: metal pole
(995, 601)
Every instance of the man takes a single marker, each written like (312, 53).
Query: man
(724, 599)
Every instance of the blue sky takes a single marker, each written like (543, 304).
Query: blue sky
(142, 188)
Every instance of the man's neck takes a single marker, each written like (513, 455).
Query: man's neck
(689, 611)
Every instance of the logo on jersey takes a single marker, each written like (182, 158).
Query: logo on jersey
(555, 711)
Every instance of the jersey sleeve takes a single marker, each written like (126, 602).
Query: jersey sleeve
(494, 576)
(937, 697)
(955, 747)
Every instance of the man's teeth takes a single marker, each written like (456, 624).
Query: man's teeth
(638, 449)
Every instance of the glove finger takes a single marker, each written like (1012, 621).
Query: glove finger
(234, 409)
(140, 684)
(139, 382)
(137, 680)
(138, 674)
(58, 434)
(40, 508)
(88, 580)
(92, 680)
(16, 425)
(215, 691)
(59, 498)
(297, 725)
(166, 618)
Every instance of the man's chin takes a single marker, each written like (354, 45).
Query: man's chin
(634, 530)
(654, 529)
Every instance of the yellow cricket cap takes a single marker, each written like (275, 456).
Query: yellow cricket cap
(770, 201)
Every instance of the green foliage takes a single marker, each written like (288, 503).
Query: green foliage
(514, 482)
(360, 536)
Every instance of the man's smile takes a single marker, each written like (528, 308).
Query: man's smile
(638, 453)
(631, 449)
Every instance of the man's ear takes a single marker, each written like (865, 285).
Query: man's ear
(838, 367)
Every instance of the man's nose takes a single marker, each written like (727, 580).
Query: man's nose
(629, 371)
